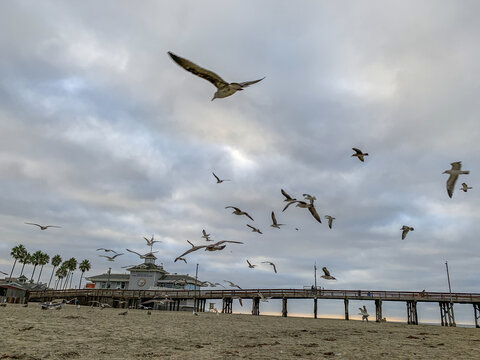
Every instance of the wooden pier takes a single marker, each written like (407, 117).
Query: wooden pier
(133, 298)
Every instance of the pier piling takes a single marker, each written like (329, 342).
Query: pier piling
(255, 306)
(284, 307)
(227, 305)
(412, 316)
(345, 302)
(378, 310)
(315, 308)
(446, 314)
(476, 312)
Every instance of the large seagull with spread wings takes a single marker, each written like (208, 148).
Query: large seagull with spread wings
(224, 88)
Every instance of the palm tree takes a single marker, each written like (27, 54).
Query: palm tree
(56, 260)
(36, 258)
(64, 266)
(84, 266)
(26, 259)
(17, 253)
(43, 261)
(72, 266)
(61, 273)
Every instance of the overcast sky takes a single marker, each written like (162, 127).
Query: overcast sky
(104, 135)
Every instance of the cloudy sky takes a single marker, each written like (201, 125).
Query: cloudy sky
(104, 135)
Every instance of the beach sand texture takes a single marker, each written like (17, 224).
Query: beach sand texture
(32, 333)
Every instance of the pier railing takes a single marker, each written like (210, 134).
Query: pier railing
(267, 293)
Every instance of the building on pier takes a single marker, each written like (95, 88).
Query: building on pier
(145, 276)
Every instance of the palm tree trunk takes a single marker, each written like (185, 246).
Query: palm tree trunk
(11, 273)
(61, 283)
(56, 283)
(80, 283)
(51, 276)
(38, 280)
(34, 267)
(21, 272)
(71, 278)
(66, 281)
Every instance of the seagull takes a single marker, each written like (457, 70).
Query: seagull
(43, 227)
(232, 284)
(327, 275)
(268, 262)
(100, 304)
(310, 198)
(465, 187)
(237, 211)
(4, 273)
(120, 302)
(219, 181)
(206, 236)
(224, 89)
(151, 241)
(254, 229)
(142, 256)
(359, 154)
(288, 198)
(213, 284)
(124, 267)
(107, 250)
(110, 258)
(124, 313)
(274, 222)
(364, 313)
(249, 265)
(304, 205)
(405, 229)
(212, 247)
(330, 220)
(263, 298)
(181, 258)
(454, 172)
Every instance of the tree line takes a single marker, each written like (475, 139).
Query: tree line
(64, 270)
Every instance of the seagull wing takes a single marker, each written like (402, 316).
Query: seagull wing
(248, 83)
(232, 207)
(248, 262)
(274, 219)
(358, 151)
(251, 227)
(314, 213)
(288, 197)
(246, 214)
(290, 203)
(326, 272)
(195, 248)
(274, 267)
(55, 226)
(330, 220)
(208, 75)
(34, 224)
(216, 177)
(225, 241)
(134, 252)
(456, 165)
(452, 179)
(114, 256)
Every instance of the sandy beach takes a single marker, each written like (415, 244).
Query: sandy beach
(86, 333)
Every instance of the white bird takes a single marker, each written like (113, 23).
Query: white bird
(254, 229)
(212, 247)
(330, 220)
(110, 258)
(274, 222)
(272, 264)
(224, 88)
(237, 211)
(405, 229)
(304, 205)
(100, 304)
(151, 241)
(288, 198)
(43, 227)
(454, 172)
(219, 181)
(465, 187)
(142, 256)
(107, 250)
(206, 236)
(263, 298)
(359, 154)
(310, 198)
(250, 265)
(232, 284)
(327, 275)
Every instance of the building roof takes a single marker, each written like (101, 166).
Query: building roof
(148, 267)
(24, 286)
(105, 277)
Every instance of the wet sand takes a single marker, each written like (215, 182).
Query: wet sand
(32, 333)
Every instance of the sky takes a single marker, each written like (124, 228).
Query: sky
(105, 136)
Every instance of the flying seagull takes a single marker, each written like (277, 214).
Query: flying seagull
(454, 172)
(330, 220)
(151, 241)
(327, 275)
(254, 229)
(274, 222)
(465, 187)
(206, 236)
(288, 198)
(248, 262)
(107, 250)
(224, 88)
(212, 247)
(232, 284)
(181, 258)
(310, 198)
(263, 298)
(405, 229)
(359, 154)
(43, 227)
(219, 181)
(142, 256)
(110, 258)
(304, 205)
(271, 263)
(237, 211)
(1, 272)
(238, 298)
(364, 313)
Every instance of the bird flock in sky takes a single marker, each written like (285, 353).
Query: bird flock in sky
(225, 89)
